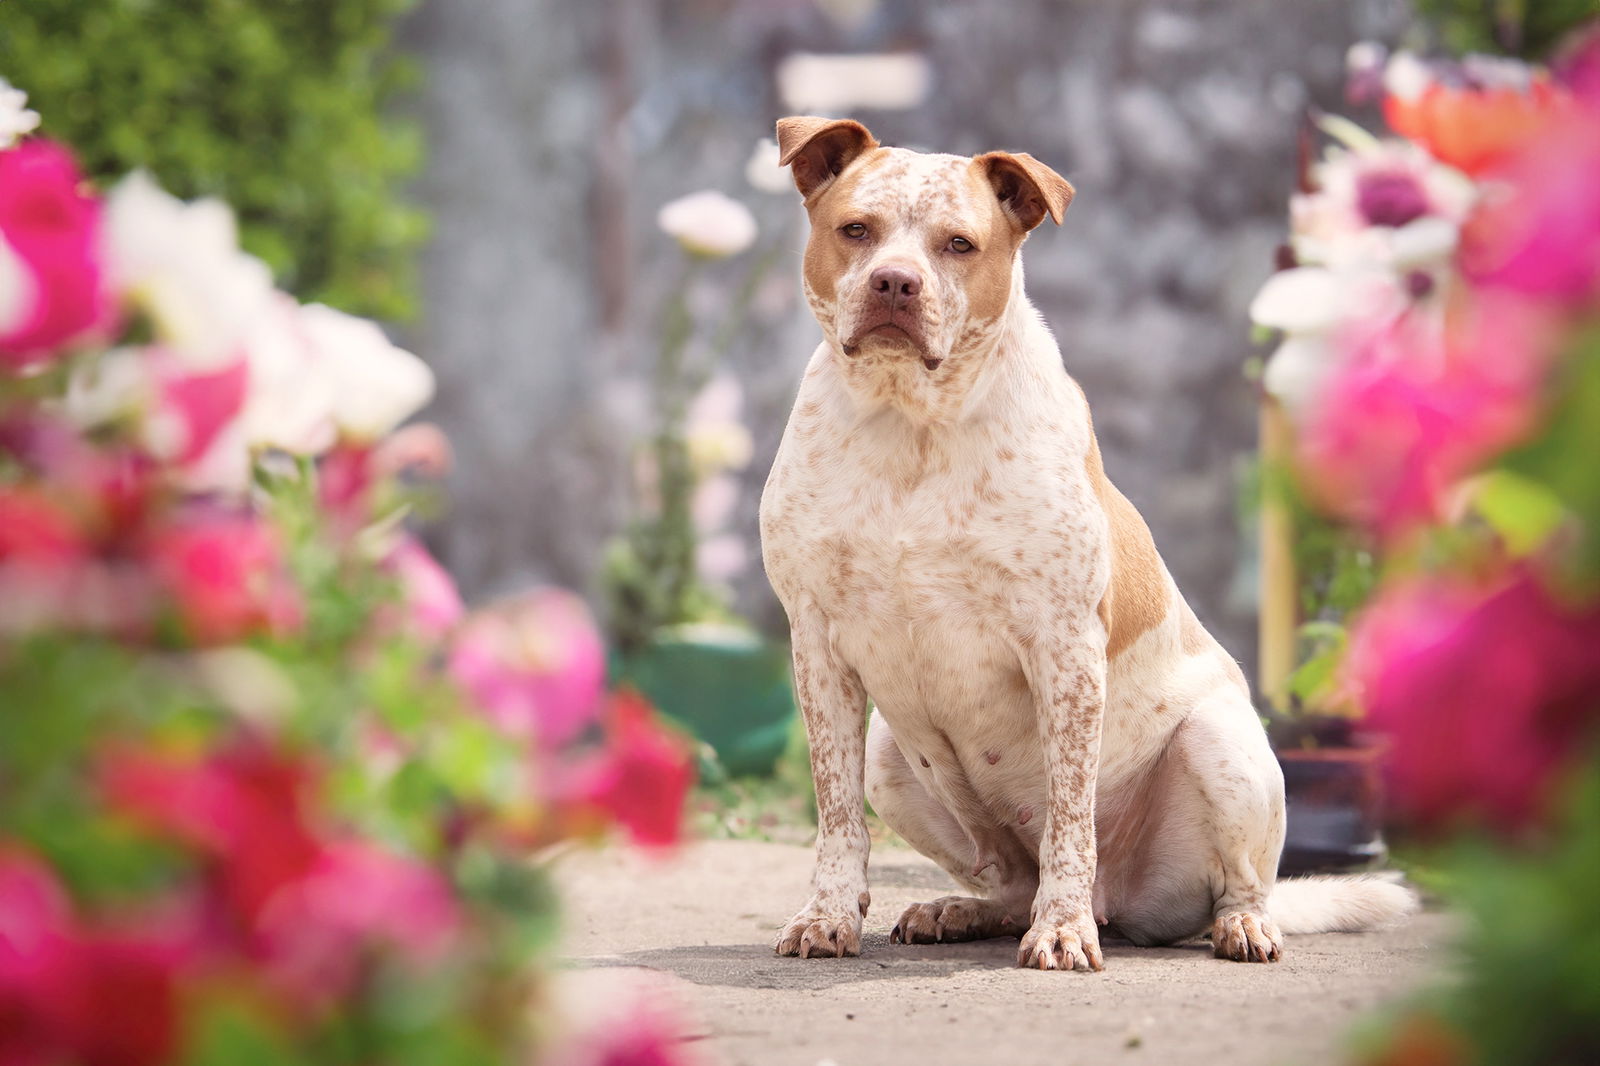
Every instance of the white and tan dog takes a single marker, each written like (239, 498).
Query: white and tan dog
(1053, 726)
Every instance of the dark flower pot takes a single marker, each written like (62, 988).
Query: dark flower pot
(1335, 809)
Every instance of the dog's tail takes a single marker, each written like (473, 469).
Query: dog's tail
(1341, 904)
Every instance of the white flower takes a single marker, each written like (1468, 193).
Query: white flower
(290, 403)
(15, 118)
(709, 224)
(17, 289)
(716, 437)
(762, 170)
(838, 84)
(1312, 305)
(119, 384)
(375, 385)
(1406, 77)
(182, 264)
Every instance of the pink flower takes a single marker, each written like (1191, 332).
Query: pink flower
(642, 776)
(1483, 690)
(224, 576)
(1540, 233)
(320, 930)
(70, 994)
(432, 602)
(1408, 414)
(533, 663)
(52, 231)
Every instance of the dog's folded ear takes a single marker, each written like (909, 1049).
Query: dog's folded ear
(818, 149)
(1027, 188)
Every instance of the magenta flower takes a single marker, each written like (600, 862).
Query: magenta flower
(642, 776)
(1484, 693)
(73, 994)
(1539, 234)
(533, 663)
(318, 932)
(1409, 414)
(224, 576)
(50, 235)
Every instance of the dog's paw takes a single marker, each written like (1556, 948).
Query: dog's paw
(1060, 940)
(952, 918)
(1246, 937)
(821, 930)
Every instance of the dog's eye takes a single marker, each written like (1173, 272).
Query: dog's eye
(960, 245)
(854, 230)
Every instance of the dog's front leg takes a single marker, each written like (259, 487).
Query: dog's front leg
(1068, 680)
(834, 706)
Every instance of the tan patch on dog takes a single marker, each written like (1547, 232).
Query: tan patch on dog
(1136, 598)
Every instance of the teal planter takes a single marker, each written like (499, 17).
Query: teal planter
(729, 687)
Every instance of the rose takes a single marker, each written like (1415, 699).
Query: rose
(642, 775)
(223, 575)
(49, 256)
(374, 385)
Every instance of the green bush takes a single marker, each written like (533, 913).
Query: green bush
(1528, 28)
(280, 107)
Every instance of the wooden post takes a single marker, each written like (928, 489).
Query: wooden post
(1279, 590)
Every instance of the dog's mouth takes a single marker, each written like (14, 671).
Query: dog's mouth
(893, 330)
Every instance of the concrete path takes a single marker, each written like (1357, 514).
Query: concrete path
(707, 918)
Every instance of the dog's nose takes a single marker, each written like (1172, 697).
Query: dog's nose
(895, 282)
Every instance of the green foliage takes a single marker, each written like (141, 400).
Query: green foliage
(277, 107)
(1527, 28)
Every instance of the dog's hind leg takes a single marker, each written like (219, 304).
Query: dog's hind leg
(1003, 889)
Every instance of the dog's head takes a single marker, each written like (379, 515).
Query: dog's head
(911, 256)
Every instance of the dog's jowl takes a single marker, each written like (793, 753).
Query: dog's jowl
(1052, 725)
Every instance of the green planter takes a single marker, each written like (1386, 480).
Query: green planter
(729, 687)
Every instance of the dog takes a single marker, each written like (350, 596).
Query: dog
(1052, 724)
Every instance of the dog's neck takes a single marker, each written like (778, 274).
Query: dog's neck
(971, 384)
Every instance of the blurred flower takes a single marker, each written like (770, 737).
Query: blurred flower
(290, 405)
(49, 256)
(1484, 691)
(243, 807)
(708, 224)
(15, 118)
(1364, 64)
(1576, 65)
(181, 264)
(617, 1017)
(1539, 233)
(642, 775)
(375, 385)
(839, 84)
(1378, 204)
(533, 663)
(321, 929)
(71, 994)
(722, 557)
(716, 437)
(762, 170)
(432, 602)
(1410, 412)
(1315, 308)
(223, 575)
(1471, 115)
(420, 448)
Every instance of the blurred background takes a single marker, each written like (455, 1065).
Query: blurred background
(485, 178)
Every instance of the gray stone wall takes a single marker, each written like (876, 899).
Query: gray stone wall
(557, 129)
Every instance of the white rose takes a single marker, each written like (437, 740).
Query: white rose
(181, 263)
(375, 385)
(838, 84)
(15, 118)
(290, 402)
(709, 224)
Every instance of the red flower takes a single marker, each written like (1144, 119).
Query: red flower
(53, 230)
(1483, 691)
(69, 994)
(643, 774)
(224, 576)
(242, 808)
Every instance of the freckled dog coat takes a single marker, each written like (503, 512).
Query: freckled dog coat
(1052, 724)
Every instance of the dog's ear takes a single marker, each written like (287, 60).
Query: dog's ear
(1027, 189)
(818, 149)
